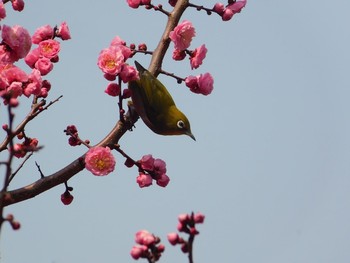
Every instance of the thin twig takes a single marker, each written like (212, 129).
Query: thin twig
(20, 167)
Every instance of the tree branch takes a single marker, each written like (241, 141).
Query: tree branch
(61, 176)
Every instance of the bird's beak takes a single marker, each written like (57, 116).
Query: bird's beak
(191, 135)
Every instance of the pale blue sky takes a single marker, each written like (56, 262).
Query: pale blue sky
(270, 167)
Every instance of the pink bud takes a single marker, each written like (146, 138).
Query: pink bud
(17, 5)
(113, 89)
(173, 238)
(227, 15)
(161, 248)
(147, 162)
(2, 10)
(144, 180)
(184, 218)
(219, 8)
(163, 180)
(136, 252)
(67, 198)
(198, 218)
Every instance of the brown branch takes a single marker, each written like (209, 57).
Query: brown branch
(36, 109)
(70, 170)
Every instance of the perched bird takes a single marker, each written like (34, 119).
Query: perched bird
(156, 107)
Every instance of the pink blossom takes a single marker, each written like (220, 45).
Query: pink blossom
(205, 83)
(63, 31)
(10, 73)
(44, 65)
(42, 33)
(18, 39)
(128, 73)
(163, 180)
(237, 6)
(49, 48)
(173, 238)
(182, 35)
(116, 41)
(198, 218)
(34, 84)
(147, 162)
(134, 3)
(17, 5)
(197, 56)
(183, 218)
(179, 54)
(144, 180)
(219, 8)
(7, 56)
(15, 89)
(111, 60)
(159, 167)
(32, 57)
(146, 2)
(202, 84)
(2, 10)
(99, 161)
(113, 89)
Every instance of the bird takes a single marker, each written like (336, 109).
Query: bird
(154, 104)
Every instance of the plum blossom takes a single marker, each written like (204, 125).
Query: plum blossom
(197, 56)
(18, 39)
(182, 35)
(202, 84)
(63, 31)
(42, 33)
(128, 73)
(49, 48)
(44, 65)
(111, 60)
(99, 161)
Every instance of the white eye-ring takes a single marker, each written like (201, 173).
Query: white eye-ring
(180, 124)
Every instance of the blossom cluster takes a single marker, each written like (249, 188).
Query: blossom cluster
(228, 11)
(182, 36)
(15, 45)
(152, 169)
(148, 246)
(187, 224)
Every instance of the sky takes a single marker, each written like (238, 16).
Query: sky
(270, 166)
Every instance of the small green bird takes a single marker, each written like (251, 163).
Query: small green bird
(156, 107)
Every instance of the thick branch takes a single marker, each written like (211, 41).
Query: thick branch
(163, 45)
(67, 172)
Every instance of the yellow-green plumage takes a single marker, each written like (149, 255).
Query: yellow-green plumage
(156, 107)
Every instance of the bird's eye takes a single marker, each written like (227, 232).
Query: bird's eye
(180, 124)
